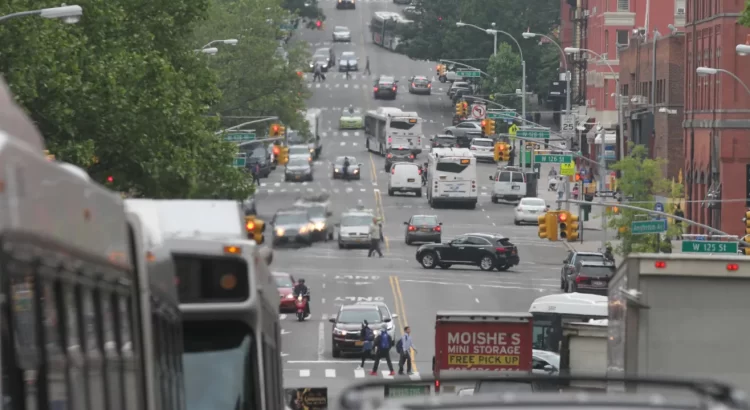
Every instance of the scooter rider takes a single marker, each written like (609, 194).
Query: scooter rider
(346, 168)
(300, 289)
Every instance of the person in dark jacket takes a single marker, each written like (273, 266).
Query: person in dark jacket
(300, 289)
(367, 336)
(383, 343)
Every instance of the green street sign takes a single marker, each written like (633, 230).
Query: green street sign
(647, 227)
(471, 73)
(239, 162)
(554, 159)
(240, 137)
(501, 115)
(709, 247)
(540, 133)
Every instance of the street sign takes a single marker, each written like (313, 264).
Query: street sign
(659, 207)
(647, 227)
(541, 133)
(554, 159)
(240, 137)
(709, 247)
(568, 125)
(478, 111)
(568, 169)
(501, 115)
(239, 162)
(468, 73)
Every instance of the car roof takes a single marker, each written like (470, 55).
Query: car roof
(588, 253)
(420, 77)
(322, 49)
(488, 235)
(377, 303)
(281, 274)
(341, 28)
(351, 157)
(424, 215)
(291, 211)
(445, 136)
(386, 78)
(596, 263)
(359, 213)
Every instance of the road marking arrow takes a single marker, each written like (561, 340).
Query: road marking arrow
(363, 283)
(285, 332)
(284, 354)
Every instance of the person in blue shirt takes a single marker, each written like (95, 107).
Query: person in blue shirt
(404, 347)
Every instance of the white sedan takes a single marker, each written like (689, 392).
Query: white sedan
(529, 209)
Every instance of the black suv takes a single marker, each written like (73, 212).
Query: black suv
(488, 251)
(385, 87)
(591, 277)
(400, 154)
(569, 264)
(345, 335)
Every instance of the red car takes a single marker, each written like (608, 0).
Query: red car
(285, 283)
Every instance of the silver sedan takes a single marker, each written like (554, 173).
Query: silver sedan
(341, 33)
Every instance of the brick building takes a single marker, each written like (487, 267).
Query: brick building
(605, 27)
(652, 78)
(717, 116)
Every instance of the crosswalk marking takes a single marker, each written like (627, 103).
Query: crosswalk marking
(386, 374)
(304, 373)
(359, 373)
(330, 373)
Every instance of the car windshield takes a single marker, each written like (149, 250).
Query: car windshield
(497, 386)
(356, 220)
(340, 29)
(298, 162)
(598, 271)
(291, 219)
(299, 151)
(481, 143)
(424, 220)
(589, 258)
(420, 80)
(533, 202)
(283, 281)
(360, 315)
(352, 161)
(354, 111)
(316, 211)
(348, 55)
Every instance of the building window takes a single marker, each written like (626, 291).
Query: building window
(679, 7)
(606, 43)
(623, 39)
(661, 91)
(606, 94)
(623, 5)
(625, 90)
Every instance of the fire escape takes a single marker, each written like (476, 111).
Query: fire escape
(579, 14)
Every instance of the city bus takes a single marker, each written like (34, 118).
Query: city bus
(231, 329)
(385, 28)
(78, 311)
(551, 312)
(452, 177)
(389, 127)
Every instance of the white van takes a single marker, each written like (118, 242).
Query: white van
(405, 177)
(509, 184)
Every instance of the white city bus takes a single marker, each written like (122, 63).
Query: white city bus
(551, 312)
(385, 28)
(452, 177)
(85, 323)
(389, 127)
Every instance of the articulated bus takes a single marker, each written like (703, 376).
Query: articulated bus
(551, 312)
(230, 305)
(452, 177)
(385, 28)
(84, 323)
(389, 127)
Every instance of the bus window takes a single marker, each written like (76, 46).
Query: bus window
(452, 167)
(128, 357)
(111, 355)
(94, 359)
(402, 124)
(56, 386)
(221, 370)
(73, 348)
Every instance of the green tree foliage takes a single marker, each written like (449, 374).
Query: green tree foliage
(505, 71)
(120, 94)
(641, 179)
(745, 16)
(253, 75)
(434, 34)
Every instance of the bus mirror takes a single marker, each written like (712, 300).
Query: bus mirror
(332, 320)
(491, 179)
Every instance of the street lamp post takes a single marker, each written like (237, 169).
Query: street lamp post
(743, 49)
(528, 35)
(704, 71)
(68, 14)
(210, 51)
(229, 41)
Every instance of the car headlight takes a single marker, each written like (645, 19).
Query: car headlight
(280, 232)
(290, 296)
(319, 226)
(336, 170)
(356, 171)
(337, 331)
(303, 229)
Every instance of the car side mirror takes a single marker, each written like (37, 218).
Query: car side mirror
(332, 320)
(394, 315)
(406, 223)
(549, 368)
(440, 223)
(329, 213)
(492, 178)
(386, 320)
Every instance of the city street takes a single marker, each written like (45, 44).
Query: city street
(337, 277)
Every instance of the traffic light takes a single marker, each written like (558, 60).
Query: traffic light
(276, 150)
(283, 156)
(745, 248)
(505, 153)
(466, 108)
(562, 220)
(499, 148)
(275, 128)
(488, 126)
(578, 177)
(572, 233)
(460, 109)
(746, 219)
(319, 24)
(255, 228)
(282, 131)
(110, 179)
(548, 226)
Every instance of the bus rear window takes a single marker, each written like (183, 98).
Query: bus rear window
(451, 167)
(402, 124)
(518, 177)
(211, 280)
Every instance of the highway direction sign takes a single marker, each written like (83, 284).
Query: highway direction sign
(554, 159)
(541, 133)
(240, 136)
(709, 247)
(647, 227)
(468, 73)
(501, 115)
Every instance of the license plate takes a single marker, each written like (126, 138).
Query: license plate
(515, 187)
(425, 229)
(359, 343)
(533, 212)
(597, 283)
(410, 180)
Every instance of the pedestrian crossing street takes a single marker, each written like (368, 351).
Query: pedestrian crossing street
(357, 373)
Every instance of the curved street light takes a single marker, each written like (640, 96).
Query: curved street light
(229, 41)
(529, 35)
(210, 51)
(704, 71)
(743, 49)
(68, 14)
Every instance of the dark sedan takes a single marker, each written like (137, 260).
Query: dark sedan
(488, 251)
(385, 87)
(348, 61)
(420, 85)
(591, 277)
(444, 141)
(423, 228)
(398, 154)
(347, 325)
(298, 169)
(354, 168)
(292, 226)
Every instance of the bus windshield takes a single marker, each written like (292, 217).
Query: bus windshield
(217, 361)
(403, 124)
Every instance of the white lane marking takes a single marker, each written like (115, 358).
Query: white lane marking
(282, 317)
(304, 373)
(343, 143)
(323, 286)
(470, 288)
(323, 301)
(476, 300)
(285, 332)
(359, 373)
(345, 134)
(330, 373)
(317, 85)
(415, 376)
(386, 374)
(321, 340)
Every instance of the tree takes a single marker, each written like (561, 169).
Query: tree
(504, 69)
(254, 77)
(121, 95)
(745, 16)
(641, 178)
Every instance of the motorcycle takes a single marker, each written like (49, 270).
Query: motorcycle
(301, 305)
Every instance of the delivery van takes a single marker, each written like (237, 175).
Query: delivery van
(509, 184)
(405, 177)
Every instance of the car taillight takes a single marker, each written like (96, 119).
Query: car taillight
(393, 171)
(411, 156)
(457, 146)
(390, 140)
(581, 278)
(375, 89)
(474, 148)
(419, 171)
(429, 85)
(502, 250)
(394, 88)
(438, 229)
(390, 155)
(413, 85)
(412, 228)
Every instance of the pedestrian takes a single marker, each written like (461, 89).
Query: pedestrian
(368, 337)
(678, 223)
(367, 66)
(561, 187)
(317, 73)
(347, 67)
(375, 236)
(404, 348)
(256, 174)
(383, 343)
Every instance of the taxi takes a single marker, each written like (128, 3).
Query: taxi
(351, 119)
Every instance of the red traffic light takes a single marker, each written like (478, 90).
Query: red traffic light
(484, 123)
(578, 177)
(318, 23)
(275, 150)
(562, 217)
(250, 225)
(110, 179)
(275, 128)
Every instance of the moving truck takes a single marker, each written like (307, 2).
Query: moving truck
(482, 343)
(680, 315)
(584, 351)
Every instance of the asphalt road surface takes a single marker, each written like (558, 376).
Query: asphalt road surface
(338, 277)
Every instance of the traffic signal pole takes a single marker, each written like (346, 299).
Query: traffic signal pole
(235, 127)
